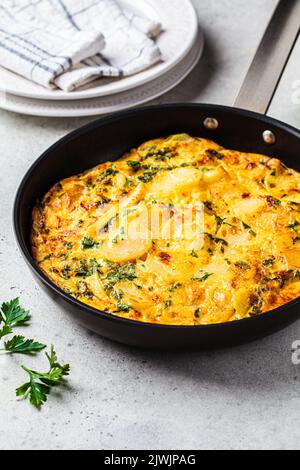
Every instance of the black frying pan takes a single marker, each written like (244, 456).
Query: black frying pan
(109, 138)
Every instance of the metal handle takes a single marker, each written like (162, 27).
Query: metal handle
(271, 58)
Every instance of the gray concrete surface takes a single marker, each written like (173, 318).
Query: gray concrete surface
(121, 398)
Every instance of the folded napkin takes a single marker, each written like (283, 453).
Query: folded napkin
(68, 43)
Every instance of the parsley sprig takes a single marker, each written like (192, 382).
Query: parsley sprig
(13, 315)
(40, 384)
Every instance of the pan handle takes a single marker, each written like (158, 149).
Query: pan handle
(271, 58)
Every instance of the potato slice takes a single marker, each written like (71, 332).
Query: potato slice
(132, 240)
(241, 302)
(127, 250)
(174, 182)
(213, 175)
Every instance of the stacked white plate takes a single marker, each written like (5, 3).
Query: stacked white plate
(181, 44)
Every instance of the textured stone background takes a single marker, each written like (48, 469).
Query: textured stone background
(121, 398)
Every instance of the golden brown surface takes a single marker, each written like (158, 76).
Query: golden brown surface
(249, 262)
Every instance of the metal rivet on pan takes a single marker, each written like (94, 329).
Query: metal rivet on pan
(269, 137)
(211, 123)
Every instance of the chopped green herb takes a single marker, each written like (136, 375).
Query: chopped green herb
(66, 272)
(294, 225)
(203, 278)
(214, 154)
(88, 243)
(194, 254)
(58, 187)
(255, 310)
(256, 304)
(124, 307)
(83, 289)
(197, 313)
(46, 258)
(87, 268)
(126, 272)
(252, 233)
(175, 287)
(242, 265)
(272, 201)
(247, 227)
(208, 205)
(269, 262)
(134, 165)
(283, 277)
(216, 239)
(147, 177)
(149, 149)
(295, 205)
(221, 221)
(102, 201)
(159, 154)
(107, 173)
(118, 294)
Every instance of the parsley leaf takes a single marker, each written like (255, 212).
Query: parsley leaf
(21, 345)
(39, 385)
(6, 330)
(11, 315)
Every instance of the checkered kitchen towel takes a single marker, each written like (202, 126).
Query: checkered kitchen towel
(68, 43)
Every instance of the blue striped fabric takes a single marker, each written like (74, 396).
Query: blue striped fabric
(68, 43)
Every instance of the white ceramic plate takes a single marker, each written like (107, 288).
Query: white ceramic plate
(180, 22)
(109, 104)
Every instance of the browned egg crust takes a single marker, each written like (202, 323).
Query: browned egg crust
(250, 259)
